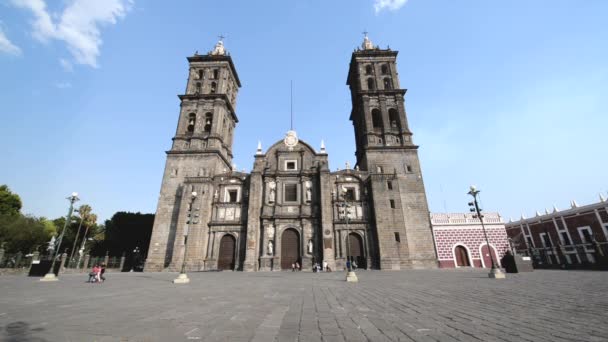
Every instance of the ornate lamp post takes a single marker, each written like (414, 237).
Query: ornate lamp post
(51, 275)
(182, 278)
(495, 273)
(351, 276)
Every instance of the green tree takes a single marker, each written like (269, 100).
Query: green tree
(10, 203)
(22, 233)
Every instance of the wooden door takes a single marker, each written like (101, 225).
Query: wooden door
(290, 248)
(226, 254)
(462, 257)
(356, 249)
(485, 254)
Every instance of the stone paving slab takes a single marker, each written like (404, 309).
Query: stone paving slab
(420, 305)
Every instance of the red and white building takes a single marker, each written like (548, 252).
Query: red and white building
(460, 241)
(574, 237)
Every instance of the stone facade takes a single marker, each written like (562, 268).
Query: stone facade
(290, 208)
(461, 242)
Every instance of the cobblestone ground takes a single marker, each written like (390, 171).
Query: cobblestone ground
(432, 305)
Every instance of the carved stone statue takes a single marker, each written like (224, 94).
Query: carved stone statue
(272, 189)
(309, 246)
(270, 231)
(308, 186)
(270, 248)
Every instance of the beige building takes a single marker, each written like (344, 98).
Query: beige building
(291, 208)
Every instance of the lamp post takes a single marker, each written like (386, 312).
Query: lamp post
(351, 276)
(51, 275)
(495, 273)
(182, 278)
(76, 239)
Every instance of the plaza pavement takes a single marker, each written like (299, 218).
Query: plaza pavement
(421, 305)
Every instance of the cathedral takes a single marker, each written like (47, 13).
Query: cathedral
(291, 208)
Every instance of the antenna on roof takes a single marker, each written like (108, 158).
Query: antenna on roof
(291, 105)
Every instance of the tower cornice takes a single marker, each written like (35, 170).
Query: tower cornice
(216, 58)
(223, 97)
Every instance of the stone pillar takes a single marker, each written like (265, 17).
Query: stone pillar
(106, 259)
(256, 189)
(64, 257)
(86, 261)
(122, 260)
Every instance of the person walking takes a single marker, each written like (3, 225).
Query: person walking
(324, 266)
(93, 274)
(102, 270)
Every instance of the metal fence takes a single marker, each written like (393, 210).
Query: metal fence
(582, 256)
(16, 260)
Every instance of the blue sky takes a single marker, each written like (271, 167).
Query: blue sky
(509, 95)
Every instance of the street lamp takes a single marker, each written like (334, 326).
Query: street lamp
(182, 278)
(76, 239)
(351, 276)
(51, 275)
(495, 273)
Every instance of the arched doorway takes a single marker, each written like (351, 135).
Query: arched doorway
(226, 255)
(485, 256)
(356, 249)
(462, 257)
(290, 248)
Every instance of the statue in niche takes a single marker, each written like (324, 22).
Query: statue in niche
(308, 186)
(216, 195)
(270, 248)
(272, 189)
(309, 246)
(270, 231)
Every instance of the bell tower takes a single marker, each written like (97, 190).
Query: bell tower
(201, 149)
(384, 148)
(207, 118)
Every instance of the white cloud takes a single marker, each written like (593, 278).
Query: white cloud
(66, 65)
(63, 85)
(7, 46)
(391, 5)
(78, 24)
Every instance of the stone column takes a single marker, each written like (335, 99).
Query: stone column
(64, 257)
(106, 259)
(87, 258)
(256, 189)
(122, 260)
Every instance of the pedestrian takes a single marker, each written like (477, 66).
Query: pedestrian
(101, 272)
(297, 266)
(348, 265)
(354, 265)
(293, 267)
(93, 274)
(324, 266)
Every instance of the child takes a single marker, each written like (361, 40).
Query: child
(93, 274)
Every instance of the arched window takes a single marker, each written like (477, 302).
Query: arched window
(208, 122)
(376, 119)
(213, 87)
(191, 123)
(384, 69)
(216, 74)
(393, 117)
(388, 84)
(368, 69)
(370, 84)
(197, 88)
